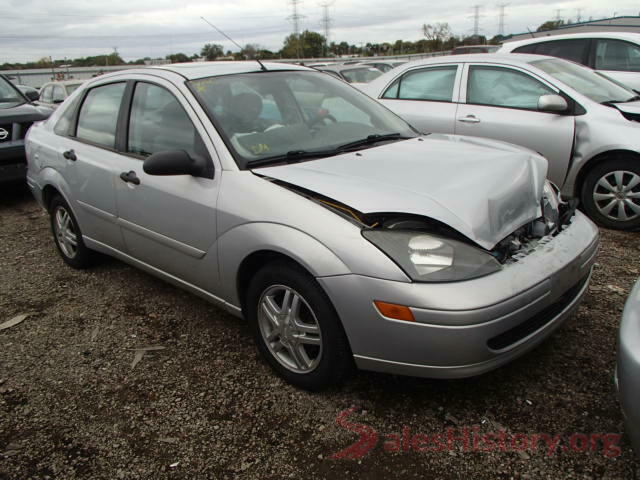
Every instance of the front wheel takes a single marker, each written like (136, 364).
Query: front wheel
(611, 194)
(296, 328)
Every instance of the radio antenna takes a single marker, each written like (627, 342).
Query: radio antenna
(262, 67)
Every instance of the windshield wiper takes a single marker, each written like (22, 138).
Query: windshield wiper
(611, 103)
(371, 139)
(292, 156)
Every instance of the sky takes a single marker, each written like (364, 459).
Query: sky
(32, 29)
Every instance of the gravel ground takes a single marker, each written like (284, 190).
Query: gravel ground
(205, 406)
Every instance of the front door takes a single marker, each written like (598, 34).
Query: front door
(501, 102)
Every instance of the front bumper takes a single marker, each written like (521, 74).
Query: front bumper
(628, 368)
(467, 328)
(13, 164)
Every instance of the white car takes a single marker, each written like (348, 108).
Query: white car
(616, 54)
(583, 123)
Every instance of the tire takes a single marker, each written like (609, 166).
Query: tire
(67, 235)
(308, 348)
(610, 193)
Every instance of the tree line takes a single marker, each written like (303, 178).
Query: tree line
(308, 44)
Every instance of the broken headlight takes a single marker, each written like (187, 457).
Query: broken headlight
(551, 205)
(430, 258)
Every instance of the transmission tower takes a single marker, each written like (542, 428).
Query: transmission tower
(326, 25)
(502, 7)
(295, 18)
(476, 21)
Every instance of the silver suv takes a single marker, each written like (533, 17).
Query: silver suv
(290, 198)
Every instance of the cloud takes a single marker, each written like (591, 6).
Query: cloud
(138, 28)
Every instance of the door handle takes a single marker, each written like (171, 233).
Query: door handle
(70, 155)
(469, 119)
(130, 177)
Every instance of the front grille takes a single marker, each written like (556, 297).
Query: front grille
(6, 134)
(538, 321)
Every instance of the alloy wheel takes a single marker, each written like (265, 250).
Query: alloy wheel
(290, 329)
(65, 232)
(617, 195)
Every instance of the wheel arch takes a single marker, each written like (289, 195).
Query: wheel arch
(597, 160)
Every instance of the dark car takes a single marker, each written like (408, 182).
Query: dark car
(17, 114)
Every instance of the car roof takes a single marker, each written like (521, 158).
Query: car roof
(194, 70)
(509, 58)
(630, 36)
(65, 82)
(351, 66)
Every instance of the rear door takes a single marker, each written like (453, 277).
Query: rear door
(168, 222)
(426, 97)
(500, 102)
(619, 60)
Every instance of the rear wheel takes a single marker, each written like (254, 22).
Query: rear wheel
(296, 328)
(611, 194)
(67, 236)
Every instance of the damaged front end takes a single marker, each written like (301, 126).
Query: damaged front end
(428, 250)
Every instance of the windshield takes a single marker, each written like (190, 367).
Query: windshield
(272, 114)
(71, 87)
(361, 75)
(9, 96)
(585, 81)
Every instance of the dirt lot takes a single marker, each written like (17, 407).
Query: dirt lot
(205, 406)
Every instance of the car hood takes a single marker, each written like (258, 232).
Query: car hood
(482, 188)
(26, 112)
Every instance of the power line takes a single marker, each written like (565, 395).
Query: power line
(502, 7)
(326, 24)
(295, 18)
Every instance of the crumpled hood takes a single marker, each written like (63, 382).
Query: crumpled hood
(483, 188)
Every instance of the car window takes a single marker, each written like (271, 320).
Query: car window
(503, 87)
(434, 84)
(526, 48)
(98, 115)
(331, 72)
(46, 94)
(58, 93)
(574, 50)
(158, 123)
(617, 55)
(361, 75)
(72, 88)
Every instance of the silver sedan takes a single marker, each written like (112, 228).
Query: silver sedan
(583, 123)
(293, 200)
(628, 371)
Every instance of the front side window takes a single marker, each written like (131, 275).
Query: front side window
(574, 50)
(316, 114)
(435, 84)
(617, 55)
(503, 87)
(585, 81)
(98, 115)
(158, 123)
(526, 48)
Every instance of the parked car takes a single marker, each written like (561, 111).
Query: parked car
(584, 124)
(352, 73)
(615, 54)
(16, 116)
(465, 49)
(53, 94)
(628, 369)
(31, 93)
(335, 229)
(384, 65)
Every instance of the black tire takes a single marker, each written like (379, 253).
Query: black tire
(82, 257)
(335, 359)
(607, 170)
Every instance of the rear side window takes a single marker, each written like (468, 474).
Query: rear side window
(158, 123)
(98, 117)
(526, 49)
(617, 55)
(435, 84)
(58, 93)
(574, 50)
(502, 87)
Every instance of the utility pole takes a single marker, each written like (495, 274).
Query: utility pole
(502, 7)
(295, 20)
(579, 14)
(558, 10)
(476, 21)
(326, 25)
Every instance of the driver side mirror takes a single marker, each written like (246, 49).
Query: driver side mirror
(552, 103)
(174, 162)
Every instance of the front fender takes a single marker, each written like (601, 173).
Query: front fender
(238, 243)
